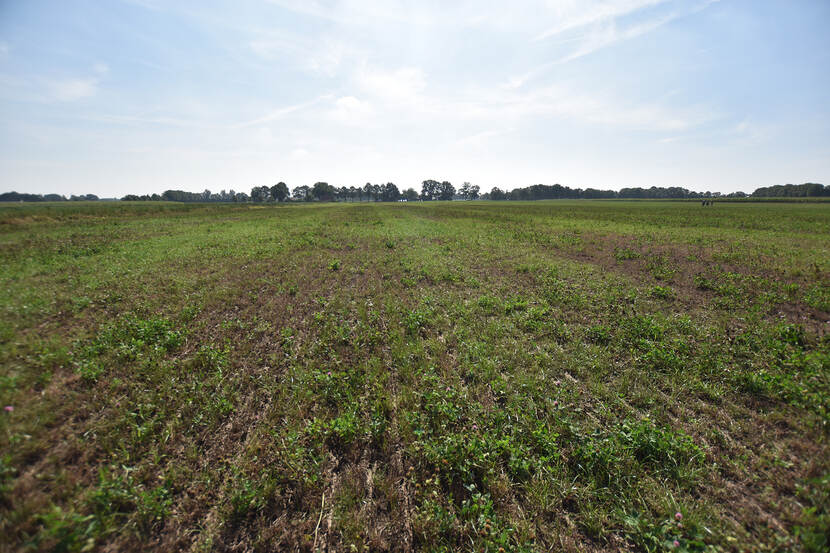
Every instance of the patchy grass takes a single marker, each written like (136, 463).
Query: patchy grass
(635, 376)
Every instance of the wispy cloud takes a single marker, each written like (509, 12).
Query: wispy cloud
(350, 110)
(480, 138)
(560, 101)
(281, 112)
(299, 154)
(150, 120)
(581, 14)
(325, 56)
(70, 90)
(608, 31)
(403, 86)
(404, 95)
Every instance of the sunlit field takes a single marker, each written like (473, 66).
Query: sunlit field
(436, 376)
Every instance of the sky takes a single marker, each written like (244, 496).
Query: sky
(139, 96)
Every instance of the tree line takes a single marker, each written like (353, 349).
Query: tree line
(23, 197)
(431, 190)
(806, 190)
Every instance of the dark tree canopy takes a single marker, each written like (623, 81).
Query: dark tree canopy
(469, 191)
(301, 193)
(323, 192)
(806, 190)
(390, 193)
(429, 190)
(279, 192)
(446, 191)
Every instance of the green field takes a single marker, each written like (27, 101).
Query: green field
(480, 376)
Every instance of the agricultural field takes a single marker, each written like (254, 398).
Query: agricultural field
(438, 376)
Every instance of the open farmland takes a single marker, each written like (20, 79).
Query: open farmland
(479, 376)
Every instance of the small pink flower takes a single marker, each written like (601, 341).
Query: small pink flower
(676, 543)
(328, 373)
(8, 408)
(556, 404)
(475, 427)
(678, 516)
(556, 383)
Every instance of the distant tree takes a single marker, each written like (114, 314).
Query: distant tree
(260, 194)
(429, 190)
(323, 192)
(806, 190)
(591, 193)
(20, 197)
(464, 190)
(410, 195)
(279, 192)
(469, 191)
(369, 191)
(446, 191)
(390, 192)
(497, 194)
(301, 193)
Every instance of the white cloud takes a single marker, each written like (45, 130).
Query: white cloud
(571, 15)
(263, 136)
(75, 88)
(70, 90)
(564, 102)
(298, 154)
(403, 86)
(605, 34)
(327, 58)
(280, 113)
(350, 110)
(404, 95)
(366, 12)
(750, 132)
(479, 138)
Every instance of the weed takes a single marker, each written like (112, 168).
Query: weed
(662, 292)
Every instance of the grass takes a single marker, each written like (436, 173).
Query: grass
(636, 376)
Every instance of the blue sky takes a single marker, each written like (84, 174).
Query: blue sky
(117, 97)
